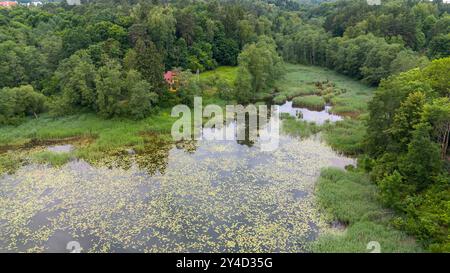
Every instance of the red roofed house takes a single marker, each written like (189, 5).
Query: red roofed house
(171, 78)
(8, 3)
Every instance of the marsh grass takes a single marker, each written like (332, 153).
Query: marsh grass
(346, 136)
(352, 105)
(280, 99)
(347, 96)
(310, 102)
(55, 159)
(107, 135)
(298, 128)
(350, 198)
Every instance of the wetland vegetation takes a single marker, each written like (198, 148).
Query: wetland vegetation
(86, 151)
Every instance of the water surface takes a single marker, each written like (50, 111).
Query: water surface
(207, 196)
(318, 117)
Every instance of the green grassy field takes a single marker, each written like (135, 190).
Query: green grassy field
(351, 199)
(108, 133)
(346, 136)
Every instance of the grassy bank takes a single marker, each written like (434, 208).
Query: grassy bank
(351, 199)
(346, 136)
(108, 132)
(312, 102)
(96, 136)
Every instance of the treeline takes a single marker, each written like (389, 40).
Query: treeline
(110, 56)
(370, 42)
(408, 152)
(68, 53)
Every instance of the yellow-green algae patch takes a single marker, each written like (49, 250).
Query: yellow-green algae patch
(200, 197)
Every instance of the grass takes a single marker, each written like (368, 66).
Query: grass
(280, 99)
(298, 128)
(352, 105)
(112, 132)
(350, 198)
(311, 102)
(55, 159)
(107, 135)
(346, 136)
(225, 73)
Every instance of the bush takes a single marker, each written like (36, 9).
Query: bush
(19, 102)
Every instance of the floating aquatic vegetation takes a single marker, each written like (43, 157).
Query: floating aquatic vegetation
(9, 163)
(222, 197)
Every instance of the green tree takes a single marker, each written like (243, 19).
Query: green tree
(422, 162)
(140, 95)
(76, 78)
(262, 62)
(225, 50)
(407, 60)
(439, 46)
(406, 118)
(436, 74)
(109, 86)
(19, 102)
(161, 24)
(243, 86)
(149, 62)
(378, 61)
(437, 114)
(386, 100)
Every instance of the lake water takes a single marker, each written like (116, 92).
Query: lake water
(206, 196)
(318, 117)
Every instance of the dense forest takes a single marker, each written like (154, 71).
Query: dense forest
(109, 57)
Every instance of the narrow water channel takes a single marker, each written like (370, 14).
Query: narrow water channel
(318, 117)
